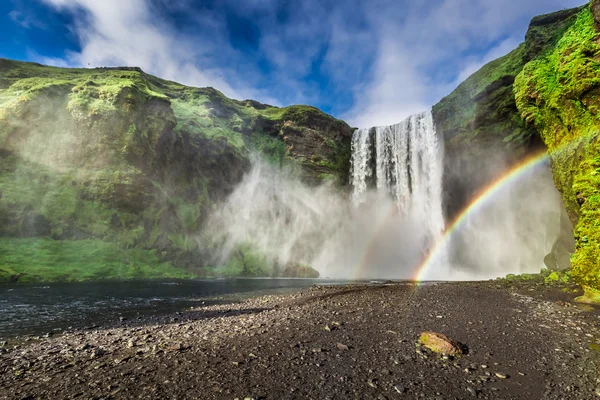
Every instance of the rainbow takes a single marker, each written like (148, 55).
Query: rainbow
(476, 204)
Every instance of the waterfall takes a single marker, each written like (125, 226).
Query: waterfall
(405, 161)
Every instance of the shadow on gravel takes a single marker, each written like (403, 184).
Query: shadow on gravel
(326, 296)
(183, 317)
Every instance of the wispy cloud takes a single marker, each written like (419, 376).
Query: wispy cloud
(369, 62)
(116, 33)
(426, 50)
(24, 20)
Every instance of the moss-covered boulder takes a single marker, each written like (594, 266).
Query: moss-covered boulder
(558, 94)
(116, 156)
(296, 270)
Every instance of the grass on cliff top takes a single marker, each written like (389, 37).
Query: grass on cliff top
(94, 89)
(53, 260)
(200, 111)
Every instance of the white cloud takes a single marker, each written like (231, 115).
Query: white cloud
(389, 58)
(118, 33)
(424, 51)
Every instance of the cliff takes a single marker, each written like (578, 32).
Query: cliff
(544, 94)
(112, 171)
(557, 94)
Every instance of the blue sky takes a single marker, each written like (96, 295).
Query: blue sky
(370, 62)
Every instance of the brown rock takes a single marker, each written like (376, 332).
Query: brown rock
(440, 343)
(342, 346)
(595, 7)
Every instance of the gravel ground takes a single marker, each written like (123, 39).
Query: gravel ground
(524, 342)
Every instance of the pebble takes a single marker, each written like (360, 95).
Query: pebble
(501, 375)
(99, 352)
(342, 346)
(399, 389)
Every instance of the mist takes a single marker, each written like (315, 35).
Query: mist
(510, 233)
(288, 221)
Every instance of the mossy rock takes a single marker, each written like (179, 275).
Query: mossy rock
(557, 93)
(590, 296)
(440, 343)
(296, 270)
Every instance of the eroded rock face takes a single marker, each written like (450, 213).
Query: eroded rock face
(318, 142)
(483, 129)
(559, 258)
(595, 8)
(557, 93)
(116, 155)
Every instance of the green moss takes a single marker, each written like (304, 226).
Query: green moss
(590, 296)
(273, 149)
(52, 260)
(246, 261)
(594, 346)
(544, 276)
(558, 277)
(557, 93)
(117, 156)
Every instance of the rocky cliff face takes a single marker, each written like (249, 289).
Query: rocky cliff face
(480, 122)
(544, 94)
(557, 94)
(130, 165)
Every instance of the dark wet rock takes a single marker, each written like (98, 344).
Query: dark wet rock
(98, 352)
(83, 347)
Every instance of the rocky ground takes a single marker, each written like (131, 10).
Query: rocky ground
(524, 342)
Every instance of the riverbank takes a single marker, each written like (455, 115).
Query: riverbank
(524, 342)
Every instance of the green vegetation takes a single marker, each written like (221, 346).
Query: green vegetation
(30, 260)
(557, 93)
(125, 162)
(483, 106)
(545, 276)
(246, 261)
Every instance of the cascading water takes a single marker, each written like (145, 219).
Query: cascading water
(391, 220)
(406, 162)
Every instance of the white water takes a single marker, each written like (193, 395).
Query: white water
(407, 161)
(289, 221)
(390, 220)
